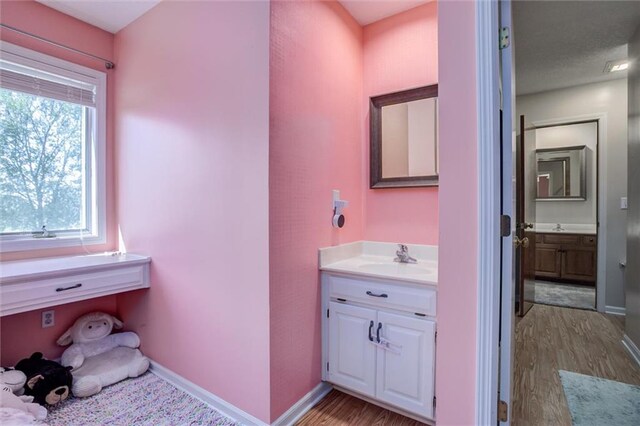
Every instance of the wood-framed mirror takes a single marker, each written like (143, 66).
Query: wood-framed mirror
(404, 138)
(561, 173)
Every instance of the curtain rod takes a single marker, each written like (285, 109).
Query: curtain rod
(107, 63)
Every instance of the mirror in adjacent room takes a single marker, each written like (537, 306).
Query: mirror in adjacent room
(561, 173)
(404, 138)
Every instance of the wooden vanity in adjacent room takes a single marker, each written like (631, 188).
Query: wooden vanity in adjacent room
(566, 256)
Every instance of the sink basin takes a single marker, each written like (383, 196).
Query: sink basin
(374, 259)
(396, 268)
(566, 228)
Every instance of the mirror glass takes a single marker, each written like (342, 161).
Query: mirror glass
(409, 139)
(404, 138)
(561, 173)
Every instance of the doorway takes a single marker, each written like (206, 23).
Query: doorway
(559, 179)
(551, 84)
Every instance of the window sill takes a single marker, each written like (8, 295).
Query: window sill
(27, 285)
(25, 244)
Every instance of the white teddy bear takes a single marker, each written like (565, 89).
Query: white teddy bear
(98, 357)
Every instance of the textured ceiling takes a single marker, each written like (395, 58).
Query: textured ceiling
(110, 15)
(567, 43)
(368, 11)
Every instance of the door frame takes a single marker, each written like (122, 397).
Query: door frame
(601, 204)
(489, 211)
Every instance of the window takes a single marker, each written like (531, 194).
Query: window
(52, 152)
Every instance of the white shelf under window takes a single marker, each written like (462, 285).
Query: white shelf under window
(26, 285)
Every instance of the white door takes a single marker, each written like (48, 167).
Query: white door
(405, 373)
(352, 354)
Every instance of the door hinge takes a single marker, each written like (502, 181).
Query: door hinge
(503, 411)
(505, 225)
(504, 38)
(327, 313)
(327, 366)
(434, 404)
(436, 338)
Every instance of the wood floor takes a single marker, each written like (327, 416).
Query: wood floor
(338, 408)
(551, 338)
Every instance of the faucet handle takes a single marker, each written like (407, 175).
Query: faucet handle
(403, 248)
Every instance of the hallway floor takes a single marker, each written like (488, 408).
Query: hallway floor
(551, 338)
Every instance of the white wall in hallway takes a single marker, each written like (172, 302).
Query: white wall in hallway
(610, 98)
(632, 323)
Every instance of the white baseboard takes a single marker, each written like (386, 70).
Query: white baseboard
(614, 310)
(632, 348)
(205, 396)
(305, 404)
(292, 415)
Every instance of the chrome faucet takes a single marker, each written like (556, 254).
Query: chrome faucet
(558, 228)
(403, 255)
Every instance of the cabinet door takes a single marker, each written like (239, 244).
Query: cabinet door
(405, 373)
(352, 357)
(548, 261)
(579, 264)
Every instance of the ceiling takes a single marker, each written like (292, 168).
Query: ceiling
(368, 11)
(114, 15)
(110, 15)
(567, 43)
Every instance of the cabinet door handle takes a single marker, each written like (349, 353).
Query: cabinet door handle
(59, 289)
(385, 295)
(378, 332)
(370, 328)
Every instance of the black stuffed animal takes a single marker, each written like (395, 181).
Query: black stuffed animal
(47, 381)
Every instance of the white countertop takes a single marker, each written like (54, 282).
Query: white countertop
(375, 259)
(20, 270)
(568, 228)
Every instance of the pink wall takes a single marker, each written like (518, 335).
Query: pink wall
(400, 52)
(458, 248)
(43, 21)
(192, 132)
(315, 146)
(22, 334)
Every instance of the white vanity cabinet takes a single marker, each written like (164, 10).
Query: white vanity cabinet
(352, 357)
(379, 341)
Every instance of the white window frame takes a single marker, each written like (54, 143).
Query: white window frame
(97, 208)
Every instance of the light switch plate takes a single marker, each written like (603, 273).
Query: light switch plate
(623, 203)
(48, 318)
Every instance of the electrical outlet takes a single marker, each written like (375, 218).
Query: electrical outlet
(48, 319)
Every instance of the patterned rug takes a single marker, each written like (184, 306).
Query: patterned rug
(569, 296)
(597, 402)
(145, 400)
